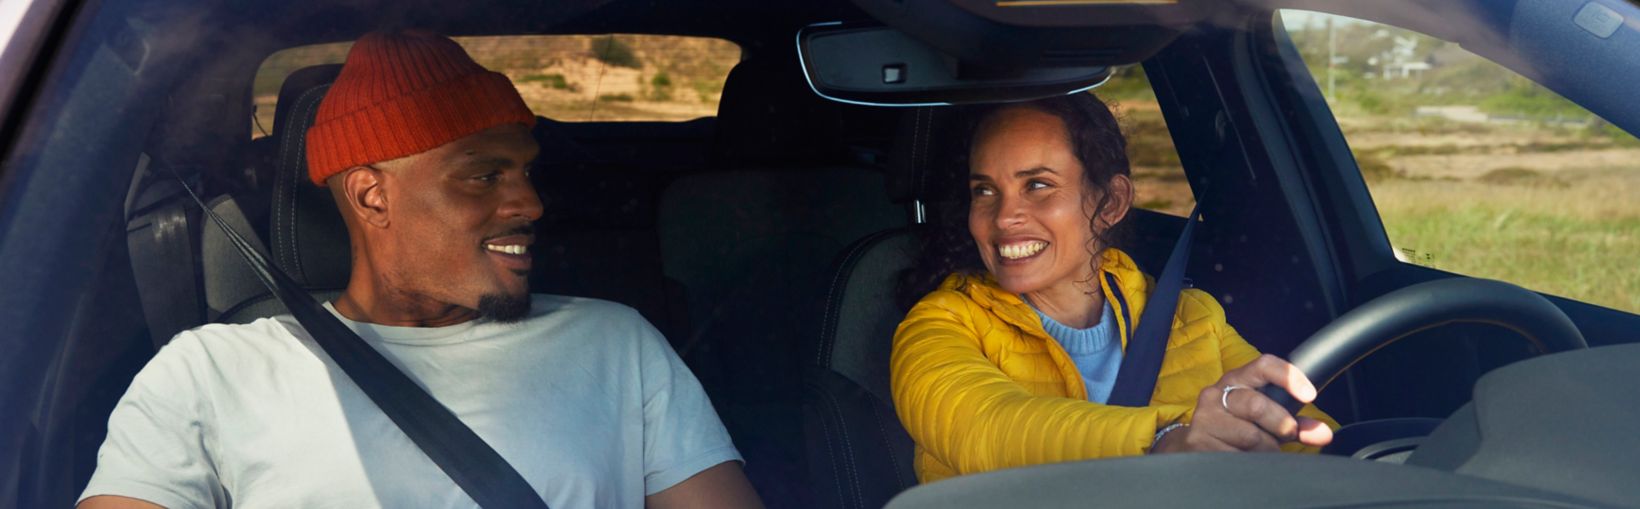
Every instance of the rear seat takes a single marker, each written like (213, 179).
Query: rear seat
(751, 238)
(596, 236)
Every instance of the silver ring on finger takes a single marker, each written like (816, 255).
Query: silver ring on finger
(1224, 398)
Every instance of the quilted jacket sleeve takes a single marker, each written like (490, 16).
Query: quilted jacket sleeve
(962, 409)
(1235, 352)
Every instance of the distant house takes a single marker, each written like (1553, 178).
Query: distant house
(1405, 70)
(1400, 62)
(1466, 114)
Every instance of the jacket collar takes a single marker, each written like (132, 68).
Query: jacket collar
(1131, 290)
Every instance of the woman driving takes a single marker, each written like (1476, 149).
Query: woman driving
(1009, 361)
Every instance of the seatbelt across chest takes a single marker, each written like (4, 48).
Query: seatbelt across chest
(474, 466)
(1142, 360)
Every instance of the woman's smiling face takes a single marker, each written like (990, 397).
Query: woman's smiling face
(1031, 207)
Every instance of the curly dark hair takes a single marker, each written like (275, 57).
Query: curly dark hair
(948, 247)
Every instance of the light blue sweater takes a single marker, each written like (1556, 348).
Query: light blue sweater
(1096, 351)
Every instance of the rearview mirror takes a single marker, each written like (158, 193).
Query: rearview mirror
(881, 66)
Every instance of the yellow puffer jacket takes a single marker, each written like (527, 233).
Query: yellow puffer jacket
(981, 386)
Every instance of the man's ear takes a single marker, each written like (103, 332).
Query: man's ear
(363, 191)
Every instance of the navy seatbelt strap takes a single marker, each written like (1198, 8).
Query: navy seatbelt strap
(455, 448)
(1142, 360)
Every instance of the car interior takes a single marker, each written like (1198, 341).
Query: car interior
(766, 242)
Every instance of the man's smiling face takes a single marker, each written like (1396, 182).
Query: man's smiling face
(459, 222)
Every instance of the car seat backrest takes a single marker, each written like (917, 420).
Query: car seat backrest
(750, 239)
(597, 238)
(859, 455)
(769, 118)
(772, 210)
(305, 235)
(306, 232)
(860, 299)
(758, 118)
(780, 193)
(231, 288)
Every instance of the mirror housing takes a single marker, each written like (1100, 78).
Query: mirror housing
(880, 66)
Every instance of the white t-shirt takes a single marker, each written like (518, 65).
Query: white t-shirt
(583, 397)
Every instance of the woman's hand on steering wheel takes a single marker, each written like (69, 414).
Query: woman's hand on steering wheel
(1231, 415)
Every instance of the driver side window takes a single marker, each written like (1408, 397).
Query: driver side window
(1475, 169)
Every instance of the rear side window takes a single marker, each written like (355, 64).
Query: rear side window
(569, 78)
(1158, 180)
(1475, 169)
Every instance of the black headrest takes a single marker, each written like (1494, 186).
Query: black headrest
(928, 151)
(769, 114)
(306, 233)
(312, 81)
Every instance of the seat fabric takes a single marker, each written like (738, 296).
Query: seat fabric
(859, 455)
(750, 240)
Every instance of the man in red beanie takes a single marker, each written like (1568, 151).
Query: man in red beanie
(427, 155)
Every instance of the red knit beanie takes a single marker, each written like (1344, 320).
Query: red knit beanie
(405, 93)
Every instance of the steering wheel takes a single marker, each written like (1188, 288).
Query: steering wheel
(1401, 313)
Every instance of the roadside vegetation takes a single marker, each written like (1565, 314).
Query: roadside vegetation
(1477, 170)
(1474, 169)
(575, 78)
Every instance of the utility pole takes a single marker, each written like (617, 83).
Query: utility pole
(1332, 59)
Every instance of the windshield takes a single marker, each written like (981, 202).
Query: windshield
(753, 251)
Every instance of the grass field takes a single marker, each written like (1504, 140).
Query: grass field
(1478, 170)
(1575, 239)
(1558, 218)
(1552, 209)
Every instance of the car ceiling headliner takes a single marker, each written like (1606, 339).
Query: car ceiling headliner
(743, 21)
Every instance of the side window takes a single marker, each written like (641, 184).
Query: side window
(1158, 179)
(1475, 169)
(570, 78)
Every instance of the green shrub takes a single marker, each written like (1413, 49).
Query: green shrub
(660, 87)
(1372, 102)
(1425, 150)
(1126, 83)
(555, 81)
(615, 98)
(1373, 168)
(707, 90)
(1529, 100)
(612, 51)
(1618, 136)
(1518, 176)
(1149, 143)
